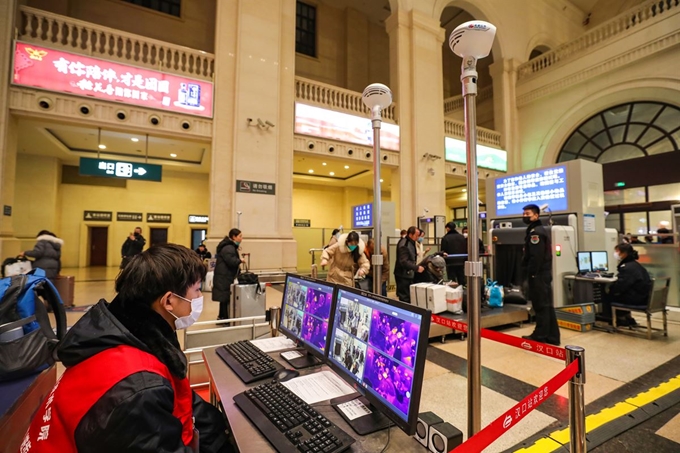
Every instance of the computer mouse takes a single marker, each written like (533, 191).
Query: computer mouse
(285, 375)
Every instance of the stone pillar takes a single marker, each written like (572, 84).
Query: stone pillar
(416, 81)
(9, 245)
(506, 118)
(254, 78)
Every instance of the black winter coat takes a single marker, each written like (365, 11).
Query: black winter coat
(632, 284)
(537, 257)
(454, 243)
(226, 269)
(132, 247)
(406, 265)
(47, 254)
(136, 413)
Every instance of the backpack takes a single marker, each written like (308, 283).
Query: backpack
(27, 341)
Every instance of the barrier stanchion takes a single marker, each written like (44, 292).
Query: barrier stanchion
(514, 415)
(577, 406)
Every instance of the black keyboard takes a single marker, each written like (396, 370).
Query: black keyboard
(290, 424)
(247, 361)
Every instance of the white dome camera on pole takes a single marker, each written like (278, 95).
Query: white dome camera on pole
(377, 97)
(472, 41)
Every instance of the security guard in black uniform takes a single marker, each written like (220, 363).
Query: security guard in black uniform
(537, 265)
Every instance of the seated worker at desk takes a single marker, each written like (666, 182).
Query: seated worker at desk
(632, 285)
(125, 387)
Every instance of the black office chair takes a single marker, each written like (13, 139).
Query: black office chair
(656, 303)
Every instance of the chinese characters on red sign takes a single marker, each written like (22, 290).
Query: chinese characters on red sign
(65, 72)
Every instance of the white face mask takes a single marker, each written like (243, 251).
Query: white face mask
(465, 235)
(617, 256)
(187, 321)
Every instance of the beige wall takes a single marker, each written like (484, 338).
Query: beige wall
(351, 51)
(329, 207)
(195, 29)
(42, 202)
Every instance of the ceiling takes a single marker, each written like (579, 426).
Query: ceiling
(358, 174)
(584, 5)
(69, 142)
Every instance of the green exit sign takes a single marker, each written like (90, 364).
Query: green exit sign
(120, 169)
(620, 184)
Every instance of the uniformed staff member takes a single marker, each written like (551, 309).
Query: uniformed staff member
(632, 285)
(537, 265)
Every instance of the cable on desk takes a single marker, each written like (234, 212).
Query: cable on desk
(389, 430)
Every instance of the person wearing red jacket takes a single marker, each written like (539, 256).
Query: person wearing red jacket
(125, 387)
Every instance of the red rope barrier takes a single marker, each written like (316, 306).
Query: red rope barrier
(502, 424)
(555, 352)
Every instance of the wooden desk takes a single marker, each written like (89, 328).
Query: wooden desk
(225, 384)
(19, 401)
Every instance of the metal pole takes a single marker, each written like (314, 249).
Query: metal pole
(473, 267)
(577, 405)
(377, 258)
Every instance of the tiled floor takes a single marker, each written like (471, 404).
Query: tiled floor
(612, 361)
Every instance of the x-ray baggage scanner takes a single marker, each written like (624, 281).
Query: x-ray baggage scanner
(571, 198)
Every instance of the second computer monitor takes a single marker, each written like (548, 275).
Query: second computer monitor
(305, 312)
(599, 261)
(379, 345)
(584, 262)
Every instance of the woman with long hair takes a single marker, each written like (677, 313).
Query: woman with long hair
(343, 257)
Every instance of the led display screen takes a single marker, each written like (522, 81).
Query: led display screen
(362, 216)
(491, 158)
(547, 186)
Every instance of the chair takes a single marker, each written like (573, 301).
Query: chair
(656, 303)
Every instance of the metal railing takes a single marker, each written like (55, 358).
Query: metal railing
(54, 30)
(623, 23)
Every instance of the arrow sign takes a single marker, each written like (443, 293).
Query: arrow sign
(140, 171)
(119, 169)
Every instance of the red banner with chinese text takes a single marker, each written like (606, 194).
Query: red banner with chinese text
(64, 72)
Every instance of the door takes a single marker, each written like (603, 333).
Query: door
(99, 241)
(197, 236)
(159, 236)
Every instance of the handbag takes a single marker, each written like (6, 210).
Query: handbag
(250, 278)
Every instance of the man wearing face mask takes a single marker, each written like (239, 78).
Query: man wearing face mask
(132, 246)
(125, 387)
(537, 266)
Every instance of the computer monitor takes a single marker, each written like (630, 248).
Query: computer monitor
(305, 313)
(378, 345)
(584, 263)
(599, 261)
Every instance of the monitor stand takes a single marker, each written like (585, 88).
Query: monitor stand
(366, 424)
(303, 360)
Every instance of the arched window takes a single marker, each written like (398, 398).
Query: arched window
(623, 132)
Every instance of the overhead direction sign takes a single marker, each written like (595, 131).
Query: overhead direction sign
(120, 169)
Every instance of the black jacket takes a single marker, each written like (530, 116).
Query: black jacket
(632, 285)
(47, 254)
(132, 247)
(537, 257)
(406, 265)
(226, 269)
(204, 255)
(136, 413)
(427, 276)
(454, 243)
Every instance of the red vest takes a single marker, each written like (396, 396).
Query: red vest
(80, 387)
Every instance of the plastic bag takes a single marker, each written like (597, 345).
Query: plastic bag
(454, 299)
(494, 294)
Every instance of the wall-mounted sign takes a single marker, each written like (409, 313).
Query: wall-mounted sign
(302, 223)
(64, 72)
(491, 158)
(7, 210)
(198, 219)
(153, 217)
(362, 216)
(102, 216)
(264, 188)
(343, 127)
(120, 169)
(129, 216)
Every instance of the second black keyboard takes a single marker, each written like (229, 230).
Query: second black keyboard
(248, 361)
(290, 424)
